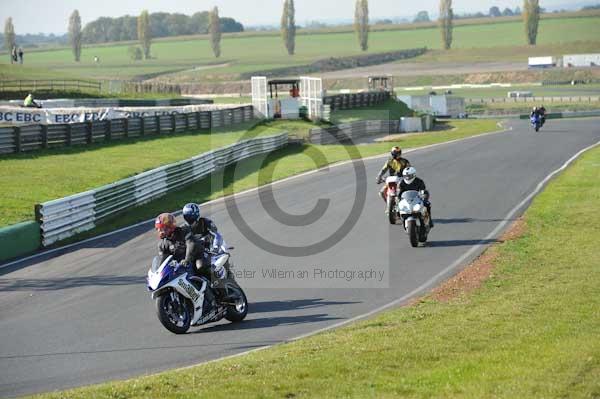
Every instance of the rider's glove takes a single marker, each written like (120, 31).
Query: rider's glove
(379, 180)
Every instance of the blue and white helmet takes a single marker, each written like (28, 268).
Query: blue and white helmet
(191, 213)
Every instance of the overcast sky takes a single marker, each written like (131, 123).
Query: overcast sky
(33, 16)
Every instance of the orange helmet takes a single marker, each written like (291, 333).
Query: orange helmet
(165, 224)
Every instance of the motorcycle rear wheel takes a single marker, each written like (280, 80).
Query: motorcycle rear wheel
(236, 313)
(174, 316)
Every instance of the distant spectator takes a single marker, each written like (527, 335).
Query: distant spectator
(96, 59)
(13, 55)
(21, 55)
(29, 102)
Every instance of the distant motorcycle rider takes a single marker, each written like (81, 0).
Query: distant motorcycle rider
(542, 113)
(410, 182)
(395, 165)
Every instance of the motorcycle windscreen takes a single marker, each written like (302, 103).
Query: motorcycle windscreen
(410, 196)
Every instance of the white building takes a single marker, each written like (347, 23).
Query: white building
(581, 60)
(436, 105)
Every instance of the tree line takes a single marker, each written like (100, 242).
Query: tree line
(144, 27)
(161, 24)
(531, 15)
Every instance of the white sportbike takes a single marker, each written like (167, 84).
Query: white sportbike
(412, 211)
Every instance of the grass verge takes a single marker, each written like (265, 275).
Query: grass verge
(531, 330)
(39, 176)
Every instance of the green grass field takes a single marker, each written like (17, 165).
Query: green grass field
(251, 53)
(36, 177)
(531, 331)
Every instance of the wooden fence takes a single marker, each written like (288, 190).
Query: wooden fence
(49, 85)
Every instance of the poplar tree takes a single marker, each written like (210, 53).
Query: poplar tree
(143, 31)
(531, 17)
(214, 27)
(75, 34)
(361, 23)
(9, 37)
(288, 26)
(446, 24)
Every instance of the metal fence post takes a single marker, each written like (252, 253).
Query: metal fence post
(17, 134)
(108, 136)
(69, 134)
(173, 123)
(126, 127)
(88, 132)
(158, 127)
(44, 136)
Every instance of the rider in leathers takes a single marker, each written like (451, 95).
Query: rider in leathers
(395, 165)
(200, 240)
(410, 182)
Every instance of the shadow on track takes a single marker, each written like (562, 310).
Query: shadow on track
(460, 243)
(279, 306)
(267, 322)
(468, 220)
(56, 284)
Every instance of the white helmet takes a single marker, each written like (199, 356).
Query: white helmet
(409, 174)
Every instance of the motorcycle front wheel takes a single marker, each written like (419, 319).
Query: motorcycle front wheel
(411, 228)
(174, 312)
(392, 216)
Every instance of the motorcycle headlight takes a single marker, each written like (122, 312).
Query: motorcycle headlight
(417, 208)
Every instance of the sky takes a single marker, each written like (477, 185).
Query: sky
(35, 16)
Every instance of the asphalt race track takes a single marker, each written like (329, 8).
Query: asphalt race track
(84, 316)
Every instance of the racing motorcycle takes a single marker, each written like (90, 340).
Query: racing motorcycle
(393, 185)
(536, 121)
(414, 214)
(183, 301)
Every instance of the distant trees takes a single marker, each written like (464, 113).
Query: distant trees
(288, 26)
(143, 33)
(495, 12)
(446, 25)
(361, 23)
(422, 16)
(214, 27)
(531, 18)
(507, 12)
(75, 34)
(162, 24)
(9, 37)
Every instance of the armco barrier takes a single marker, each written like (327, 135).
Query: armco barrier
(15, 139)
(351, 131)
(355, 130)
(19, 239)
(356, 100)
(65, 217)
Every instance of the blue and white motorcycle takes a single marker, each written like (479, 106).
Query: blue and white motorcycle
(536, 121)
(183, 301)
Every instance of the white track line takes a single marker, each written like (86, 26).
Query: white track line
(221, 199)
